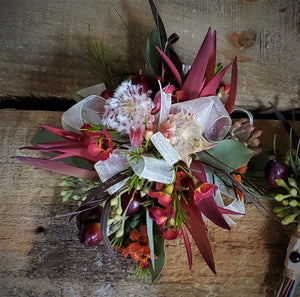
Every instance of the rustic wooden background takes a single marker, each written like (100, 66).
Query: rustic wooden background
(41, 255)
(44, 43)
(43, 47)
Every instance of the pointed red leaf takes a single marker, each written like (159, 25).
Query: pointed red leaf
(210, 70)
(70, 149)
(198, 171)
(230, 212)
(58, 167)
(211, 87)
(171, 66)
(233, 88)
(193, 83)
(187, 246)
(198, 231)
(62, 133)
(210, 209)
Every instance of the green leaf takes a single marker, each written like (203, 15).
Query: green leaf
(44, 136)
(150, 237)
(153, 55)
(227, 155)
(159, 253)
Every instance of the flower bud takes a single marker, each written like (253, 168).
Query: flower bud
(281, 183)
(293, 203)
(280, 209)
(280, 197)
(289, 219)
(293, 192)
(293, 183)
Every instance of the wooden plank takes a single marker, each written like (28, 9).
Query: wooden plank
(43, 44)
(41, 256)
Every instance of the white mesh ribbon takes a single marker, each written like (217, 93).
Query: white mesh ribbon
(92, 90)
(88, 110)
(153, 169)
(116, 163)
(210, 113)
(164, 147)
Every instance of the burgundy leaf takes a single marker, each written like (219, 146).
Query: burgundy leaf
(171, 66)
(210, 70)
(213, 84)
(193, 83)
(59, 167)
(198, 231)
(198, 171)
(233, 88)
(230, 212)
(187, 246)
(210, 209)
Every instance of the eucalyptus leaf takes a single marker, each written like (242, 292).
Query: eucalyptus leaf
(150, 237)
(159, 253)
(227, 155)
(153, 55)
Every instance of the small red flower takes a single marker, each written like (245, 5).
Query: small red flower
(101, 145)
(164, 196)
(205, 190)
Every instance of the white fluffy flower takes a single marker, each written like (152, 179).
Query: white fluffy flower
(184, 134)
(128, 108)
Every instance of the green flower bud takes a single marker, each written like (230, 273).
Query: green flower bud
(280, 197)
(285, 202)
(293, 183)
(282, 214)
(289, 219)
(119, 233)
(281, 183)
(293, 192)
(114, 201)
(280, 209)
(119, 209)
(293, 203)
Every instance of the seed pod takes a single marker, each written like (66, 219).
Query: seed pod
(276, 170)
(90, 234)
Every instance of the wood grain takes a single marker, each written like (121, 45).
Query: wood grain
(41, 256)
(44, 44)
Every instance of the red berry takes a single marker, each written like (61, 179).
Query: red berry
(106, 94)
(148, 83)
(134, 205)
(276, 170)
(90, 234)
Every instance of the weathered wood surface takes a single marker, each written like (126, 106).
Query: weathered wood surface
(41, 256)
(44, 43)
